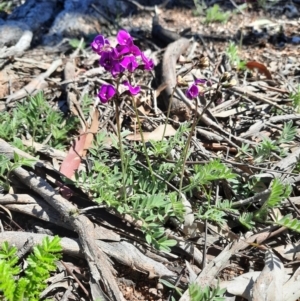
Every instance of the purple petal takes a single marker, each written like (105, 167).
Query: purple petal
(124, 38)
(132, 90)
(148, 63)
(116, 69)
(106, 93)
(130, 63)
(192, 92)
(121, 50)
(99, 43)
(135, 50)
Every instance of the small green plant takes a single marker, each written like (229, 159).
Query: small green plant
(206, 173)
(288, 133)
(232, 52)
(40, 263)
(36, 118)
(87, 103)
(246, 219)
(279, 192)
(265, 149)
(202, 179)
(295, 97)
(146, 200)
(199, 8)
(197, 293)
(215, 14)
(75, 43)
(6, 167)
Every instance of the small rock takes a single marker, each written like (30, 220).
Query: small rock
(153, 291)
(159, 286)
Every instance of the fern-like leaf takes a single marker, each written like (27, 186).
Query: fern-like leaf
(40, 264)
(8, 254)
(20, 290)
(7, 282)
(226, 206)
(246, 219)
(290, 223)
(279, 191)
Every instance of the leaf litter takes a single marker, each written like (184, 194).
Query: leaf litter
(247, 234)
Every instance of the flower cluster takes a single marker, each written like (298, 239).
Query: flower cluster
(196, 88)
(117, 60)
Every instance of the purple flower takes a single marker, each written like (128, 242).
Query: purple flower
(132, 90)
(148, 63)
(192, 92)
(124, 38)
(106, 93)
(99, 43)
(130, 63)
(124, 49)
(120, 50)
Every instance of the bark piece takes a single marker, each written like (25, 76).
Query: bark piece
(22, 45)
(171, 55)
(38, 208)
(291, 290)
(159, 32)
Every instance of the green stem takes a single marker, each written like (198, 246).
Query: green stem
(143, 140)
(186, 149)
(123, 163)
(183, 156)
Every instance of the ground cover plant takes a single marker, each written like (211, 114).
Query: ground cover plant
(40, 263)
(168, 171)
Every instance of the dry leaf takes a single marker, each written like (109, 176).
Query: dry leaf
(291, 291)
(241, 285)
(261, 67)
(78, 150)
(290, 252)
(73, 158)
(91, 132)
(269, 285)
